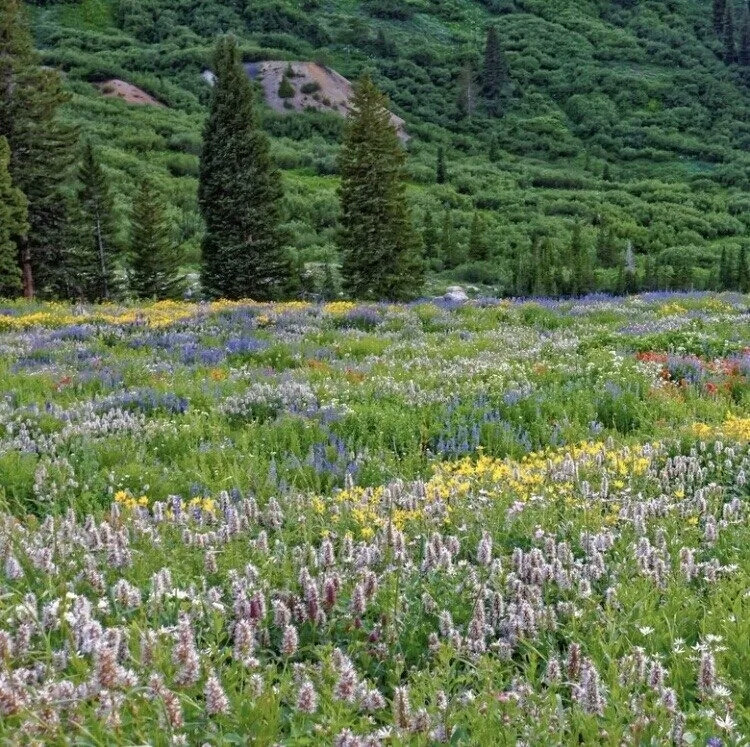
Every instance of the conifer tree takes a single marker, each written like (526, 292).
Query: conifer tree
(719, 13)
(495, 75)
(42, 151)
(381, 251)
(743, 55)
(545, 269)
(239, 192)
(730, 42)
(448, 243)
(13, 214)
(154, 259)
(606, 247)
(726, 270)
(743, 271)
(723, 269)
(477, 242)
(286, 89)
(383, 45)
(440, 170)
(95, 257)
(493, 153)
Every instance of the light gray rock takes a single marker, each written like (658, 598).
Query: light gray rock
(456, 294)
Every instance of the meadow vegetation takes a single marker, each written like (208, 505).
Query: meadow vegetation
(365, 524)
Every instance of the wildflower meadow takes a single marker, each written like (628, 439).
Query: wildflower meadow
(482, 523)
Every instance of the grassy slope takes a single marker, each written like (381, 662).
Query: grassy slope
(641, 91)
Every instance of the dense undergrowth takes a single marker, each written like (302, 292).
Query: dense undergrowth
(622, 116)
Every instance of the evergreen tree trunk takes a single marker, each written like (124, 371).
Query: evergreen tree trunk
(26, 269)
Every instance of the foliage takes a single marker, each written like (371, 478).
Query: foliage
(239, 192)
(616, 114)
(378, 243)
(41, 148)
(376, 524)
(13, 212)
(154, 261)
(94, 263)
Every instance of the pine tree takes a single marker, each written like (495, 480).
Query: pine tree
(95, 258)
(743, 56)
(239, 192)
(726, 270)
(743, 271)
(440, 171)
(384, 46)
(606, 247)
(547, 272)
(719, 13)
(730, 42)
(477, 242)
(495, 75)
(42, 151)
(286, 89)
(723, 269)
(154, 260)
(493, 152)
(13, 214)
(467, 96)
(381, 251)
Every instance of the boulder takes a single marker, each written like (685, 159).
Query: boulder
(456, 294)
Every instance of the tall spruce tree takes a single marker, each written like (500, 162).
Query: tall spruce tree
(42, 152)
(730, 41)
(154, 258)
(719, 13)
(743, 53)
(449, 252)
(495, 75)
(743, 271)
(13, 223)
(723, 267)
(606, 247)
(727, 276)
(440, 170)
(477, 241)
(380, 249)
(95, 257)
(239, 192)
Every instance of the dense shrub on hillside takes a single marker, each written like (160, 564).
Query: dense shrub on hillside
(617, 113)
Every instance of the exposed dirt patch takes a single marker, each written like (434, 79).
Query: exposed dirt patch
(120, 89)
(313, 86)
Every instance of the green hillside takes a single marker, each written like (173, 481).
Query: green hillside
(622, 115)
